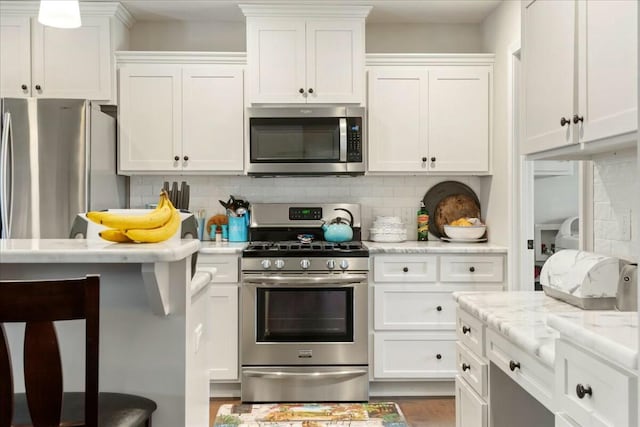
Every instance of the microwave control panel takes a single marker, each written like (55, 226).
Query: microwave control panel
(354, 139)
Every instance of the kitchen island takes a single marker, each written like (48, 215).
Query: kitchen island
(151, 319)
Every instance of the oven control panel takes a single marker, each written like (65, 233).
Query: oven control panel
(305, 214)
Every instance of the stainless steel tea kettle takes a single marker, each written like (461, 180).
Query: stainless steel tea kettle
(627, 294)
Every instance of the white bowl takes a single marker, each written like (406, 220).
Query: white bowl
(380, 235)
(471, 232)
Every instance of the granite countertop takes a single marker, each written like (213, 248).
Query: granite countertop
(209, 247)
(520, 316)
(434, 247)
(612, 334)
(74, 251)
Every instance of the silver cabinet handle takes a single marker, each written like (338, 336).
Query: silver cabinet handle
(342, 123)
(302, 375)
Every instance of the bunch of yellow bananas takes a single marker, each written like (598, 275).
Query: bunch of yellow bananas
(155, 226)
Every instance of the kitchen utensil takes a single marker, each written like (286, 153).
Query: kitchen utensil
(442, 190)
(185, 197)
(173, 196)
(471, 232)
(627, 293)
(339, 229)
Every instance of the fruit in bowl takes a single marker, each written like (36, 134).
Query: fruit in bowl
(465, 228)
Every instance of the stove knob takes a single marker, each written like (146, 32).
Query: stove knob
(331, 264)
(305, 263)
(344, 264)
(279, 264)
(266, 264)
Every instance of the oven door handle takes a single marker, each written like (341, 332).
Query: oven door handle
(310, 375)
(274, 281)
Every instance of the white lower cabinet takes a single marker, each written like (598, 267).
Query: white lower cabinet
(592, 391)
(562, 420)
(222, 316)
(414, 355)
(414, 313)
(471, 410)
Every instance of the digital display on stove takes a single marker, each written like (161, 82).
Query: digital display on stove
(305, 214)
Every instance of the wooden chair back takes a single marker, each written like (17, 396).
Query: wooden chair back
(39, 304)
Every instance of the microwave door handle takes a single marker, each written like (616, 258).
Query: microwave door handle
(343, 139)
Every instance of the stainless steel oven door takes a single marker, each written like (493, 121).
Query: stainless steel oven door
(303, 319)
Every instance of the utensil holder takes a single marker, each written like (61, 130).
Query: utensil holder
(239, 228)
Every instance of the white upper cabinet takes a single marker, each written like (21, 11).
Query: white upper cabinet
(41, 61)
(425, 117)
(213, 111)
(580, 73)
(181, 113)
(607, 68)
(15, 56)
(398, 119)
(150, 118)
(310, 54)
(459, 119)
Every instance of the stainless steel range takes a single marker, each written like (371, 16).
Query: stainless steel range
(304, 308)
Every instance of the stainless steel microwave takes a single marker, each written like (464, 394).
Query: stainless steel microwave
(306, 141)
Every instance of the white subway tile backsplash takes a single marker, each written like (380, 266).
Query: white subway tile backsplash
(615, 188)
(377, 195)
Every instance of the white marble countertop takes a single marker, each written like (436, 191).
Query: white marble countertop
(209, 247)
(612, 334)
(435, 247)
(76, 251)
(520, 316)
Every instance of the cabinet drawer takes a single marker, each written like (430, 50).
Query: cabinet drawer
(613, 399)
(404, 268)
(470, 332)
(419, 356)
(529, 373)
(472, 369)
(413, 307)
(475, 269)
(226, 267)
(471, 410)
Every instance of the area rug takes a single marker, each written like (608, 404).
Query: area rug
(378, 414)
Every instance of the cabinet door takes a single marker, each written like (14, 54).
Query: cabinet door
(335, 61)
(608, 68)
(548, 55)
(459, 119)
(150, 115)
(212, 119)
(276, 60)
(73, 63)
(15, 56)
(471, 410)
(398, 116)
(223, 327)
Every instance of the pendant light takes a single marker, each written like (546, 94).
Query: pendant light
(59, 13)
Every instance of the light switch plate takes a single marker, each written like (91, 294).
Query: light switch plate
(625, 224)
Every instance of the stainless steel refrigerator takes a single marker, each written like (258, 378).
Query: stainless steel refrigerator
(57, 158)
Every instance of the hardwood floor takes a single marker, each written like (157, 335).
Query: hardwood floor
(419, 411)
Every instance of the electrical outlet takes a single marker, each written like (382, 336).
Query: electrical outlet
(625, 224)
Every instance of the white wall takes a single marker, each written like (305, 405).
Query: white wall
(616, 185)
(394, 195)
(556, 198)
(423, 38)
(499, 31)
(231, 37)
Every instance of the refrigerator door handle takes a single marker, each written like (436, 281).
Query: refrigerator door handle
(6, 181)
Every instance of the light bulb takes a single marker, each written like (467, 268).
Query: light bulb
(59, 13)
